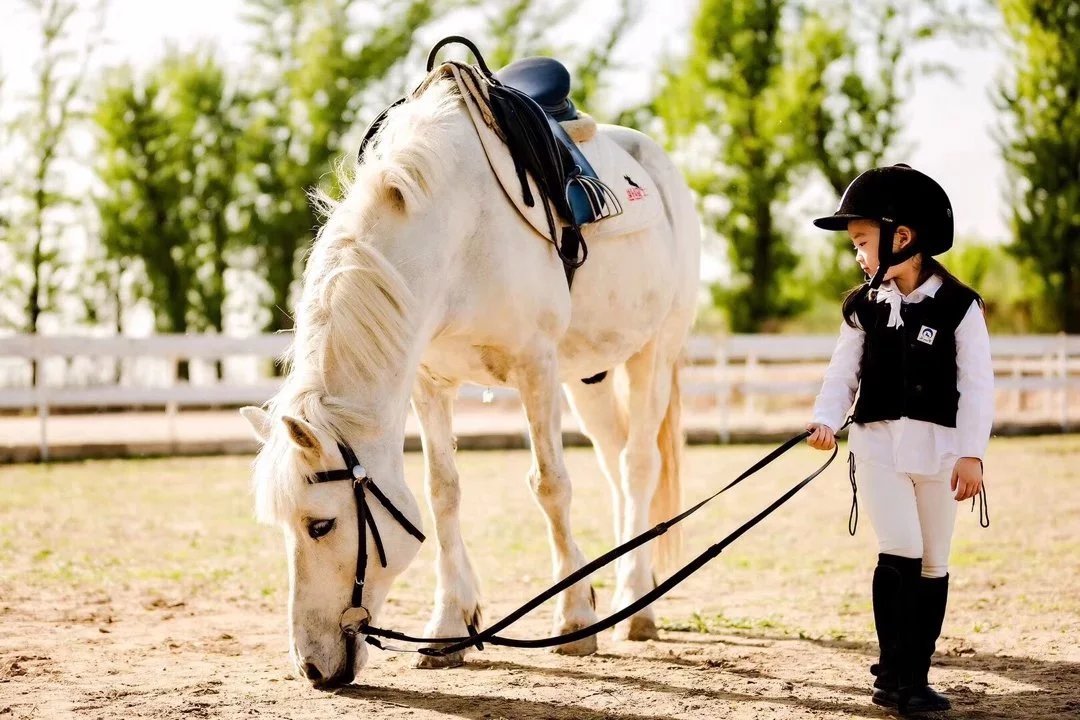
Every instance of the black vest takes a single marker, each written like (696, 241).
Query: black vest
(910, 371)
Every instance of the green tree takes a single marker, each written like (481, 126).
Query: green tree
(317, 63)
(5, 190)
(43, 199)
(864, 58)
(735, 106)
(519, 28)
(591, 71)
(169, 160)
(1040, 139)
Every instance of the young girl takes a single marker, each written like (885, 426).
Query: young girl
(915, 346)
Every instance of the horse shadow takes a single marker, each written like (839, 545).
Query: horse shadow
(483, 708)
(1056, 683)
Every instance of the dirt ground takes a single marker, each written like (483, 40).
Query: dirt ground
(144, 589)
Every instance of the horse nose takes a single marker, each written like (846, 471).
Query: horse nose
(312, 673)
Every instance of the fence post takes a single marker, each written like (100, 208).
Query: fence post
(723, 398)
(171, 405)
(753, 370)
(41, 395)
(1017, 393)
(1063, 372)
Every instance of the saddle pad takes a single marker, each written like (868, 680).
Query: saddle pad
(635, 190)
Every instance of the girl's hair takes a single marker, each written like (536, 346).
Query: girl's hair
(929, 266)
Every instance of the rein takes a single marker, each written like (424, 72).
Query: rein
(359, 624)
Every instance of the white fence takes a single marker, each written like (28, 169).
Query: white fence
(122, 372)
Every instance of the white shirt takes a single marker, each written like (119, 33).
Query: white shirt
(915, 446)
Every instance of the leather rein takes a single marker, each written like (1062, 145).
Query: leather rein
(355, 620)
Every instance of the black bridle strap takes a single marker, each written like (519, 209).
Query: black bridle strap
(354, 472)
(489, 634)
(348, 473)
(361, 545)
(377, 538)
(394, 512)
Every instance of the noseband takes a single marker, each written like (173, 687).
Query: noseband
(353, 619)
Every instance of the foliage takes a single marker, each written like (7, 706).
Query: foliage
(168, 159)
(519, 28)
(734, 105)
(773, 93)
(40, 201)
(316, 62)
(1040, 139)
(866, 61)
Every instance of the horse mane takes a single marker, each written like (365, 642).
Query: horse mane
(355, 318)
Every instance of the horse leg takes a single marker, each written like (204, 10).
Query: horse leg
(650, 376)
(603, 420)
(538, 383)
(457, 594)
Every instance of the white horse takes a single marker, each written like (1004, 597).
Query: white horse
(425, 277)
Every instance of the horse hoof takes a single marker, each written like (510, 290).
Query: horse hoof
(435, 662)
(637, 629)
(585, 646)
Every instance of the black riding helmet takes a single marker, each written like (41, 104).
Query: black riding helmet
(894, 196)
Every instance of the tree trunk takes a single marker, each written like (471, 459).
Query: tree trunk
(33, 300)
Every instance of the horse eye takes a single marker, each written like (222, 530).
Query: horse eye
(318, 528)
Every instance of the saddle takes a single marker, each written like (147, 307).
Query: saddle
(547, 82)
(517, 113)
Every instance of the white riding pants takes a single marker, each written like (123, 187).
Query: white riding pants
(913, 515)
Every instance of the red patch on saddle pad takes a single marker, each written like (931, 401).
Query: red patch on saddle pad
(636, 193)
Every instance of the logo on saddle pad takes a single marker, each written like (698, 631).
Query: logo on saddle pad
(635, 191)
(927, 335)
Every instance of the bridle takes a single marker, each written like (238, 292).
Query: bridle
(356, 617)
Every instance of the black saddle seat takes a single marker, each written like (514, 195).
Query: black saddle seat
(545, 80)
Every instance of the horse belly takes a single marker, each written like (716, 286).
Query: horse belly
(621, 298)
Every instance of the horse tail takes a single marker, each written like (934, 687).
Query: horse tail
(667, 500)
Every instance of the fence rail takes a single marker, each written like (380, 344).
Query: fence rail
(720, 370)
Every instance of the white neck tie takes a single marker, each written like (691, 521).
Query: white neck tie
(894, 299)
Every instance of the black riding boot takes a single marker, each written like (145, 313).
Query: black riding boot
(895, 585)
(919, 697)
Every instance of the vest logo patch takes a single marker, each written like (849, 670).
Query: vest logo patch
(927, 335)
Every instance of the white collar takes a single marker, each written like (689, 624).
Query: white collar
(928, 289)
(889, 294)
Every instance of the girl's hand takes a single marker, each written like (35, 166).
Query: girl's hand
(967, 478)
(821, 437)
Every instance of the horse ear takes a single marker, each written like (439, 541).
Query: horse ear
(259, 420)
(301, 433)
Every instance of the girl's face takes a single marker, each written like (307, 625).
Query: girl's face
(865, 235)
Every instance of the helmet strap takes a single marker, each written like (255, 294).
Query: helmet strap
(886, 257)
